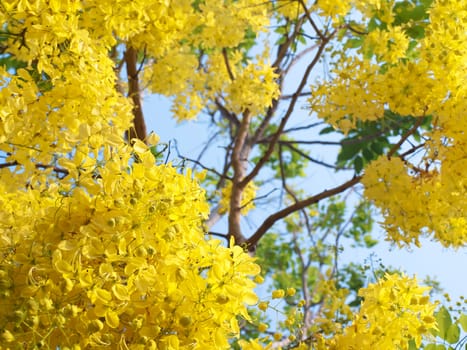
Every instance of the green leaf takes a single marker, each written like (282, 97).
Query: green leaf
(434, 347)
(354, 43)
(443, 318)
(281, 40)
(302, 39)
(327, 130)
(453, 333)
(463, 322)
(372, 24)
(348, 152)
(416, 32)
(369, 241)
(368, 155)
(377, 148)
(358, 164)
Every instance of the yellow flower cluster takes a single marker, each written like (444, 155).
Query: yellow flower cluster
(333, 8)
(211, 26)
(248, 203)
(394, 311)
(387, 45)
(119, 258)
(99, 247)
(427, 197)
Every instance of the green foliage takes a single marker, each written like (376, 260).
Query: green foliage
(411, 11)
(371, 139)
(447, 330)
(451, 330)
(463, 322)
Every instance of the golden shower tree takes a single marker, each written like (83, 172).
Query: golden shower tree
(102, 245)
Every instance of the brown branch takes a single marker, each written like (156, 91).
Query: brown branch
(139, 130)
(305, 127)
(273, 218)
(7, 165)
(313, 160)
(38, 166)
(301, 142)
(405, 137)
(288, 97)
(298, 57)
(288, 113)
(222, 235)
(281, 54)
(227, 64)
(197, 162)
(313, 24)
(284, 47)
(412, 150)
(231, 117)
(239, 156)
(214, 217)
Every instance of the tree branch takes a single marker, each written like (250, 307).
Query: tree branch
(239, 156)
(277, 63)
(227, 64)
(231, 117)
(139, 130)
(405, 137)
(313, 24)
(284, 47)
(272, 219)
(290, 109)
(287, 97)
(311, 159)
(56, 169)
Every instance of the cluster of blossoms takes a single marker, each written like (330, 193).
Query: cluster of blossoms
(418, 78)
(99, 245)
(394, 311)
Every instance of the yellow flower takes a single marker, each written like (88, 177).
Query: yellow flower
(278, 293)
(249, 194)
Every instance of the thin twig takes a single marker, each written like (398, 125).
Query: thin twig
(313, 160)
(305, 127)
(298, 57)
(222, 235)
(38, 166)
(195, 161)
(303, 94)
(206, 146)
(412, 150)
